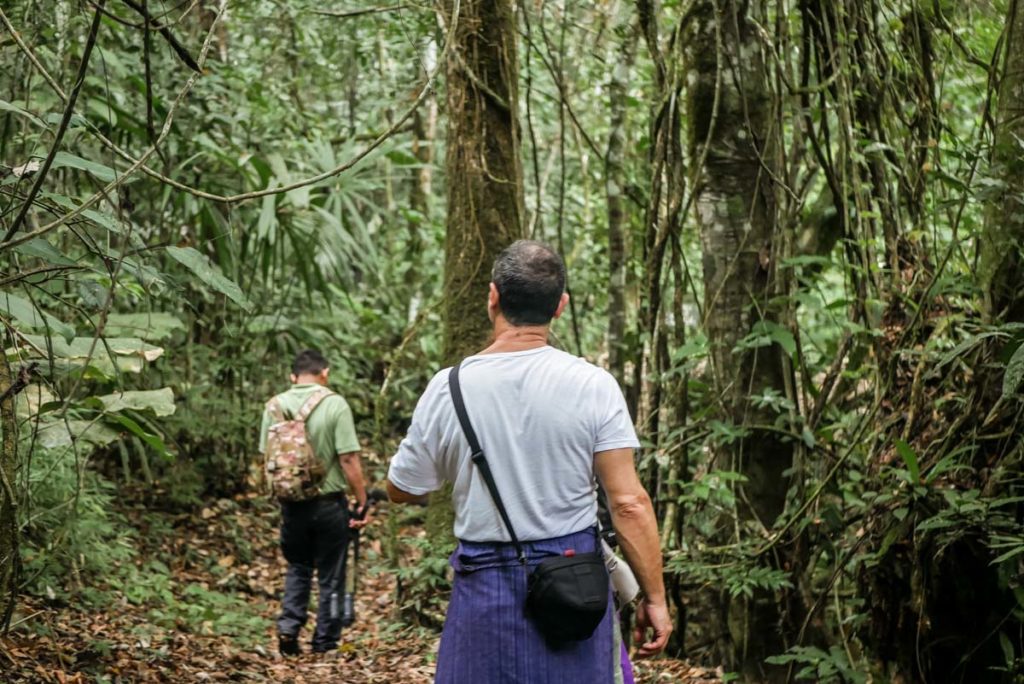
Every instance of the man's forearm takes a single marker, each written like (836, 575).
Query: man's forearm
(398, 495)
(352, 466)
(637, 532)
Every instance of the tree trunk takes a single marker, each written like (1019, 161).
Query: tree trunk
(8, 502)
(484, 180)
(483, 169)
(615, 197)
(424, 133)
(736, 214)
(1002, 265)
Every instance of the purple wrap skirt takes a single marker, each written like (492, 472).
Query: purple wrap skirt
(487, 637)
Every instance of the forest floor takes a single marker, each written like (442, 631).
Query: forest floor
(199, 604)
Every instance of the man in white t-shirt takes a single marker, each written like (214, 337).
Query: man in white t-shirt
(552, 426)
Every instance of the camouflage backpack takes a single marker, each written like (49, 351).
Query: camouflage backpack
(293, 470)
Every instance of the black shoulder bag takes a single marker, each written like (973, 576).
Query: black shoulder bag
(567, 596)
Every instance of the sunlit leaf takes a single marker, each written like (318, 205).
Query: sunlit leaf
(209, 273)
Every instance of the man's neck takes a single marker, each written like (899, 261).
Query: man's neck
(308, 380)
(513, 338)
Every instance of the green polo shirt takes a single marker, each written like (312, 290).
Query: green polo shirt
(330, 428)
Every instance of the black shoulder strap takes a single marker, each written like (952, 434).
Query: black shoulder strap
(478, 456)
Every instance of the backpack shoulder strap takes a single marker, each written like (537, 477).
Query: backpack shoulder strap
(312, 403)
(275, 410)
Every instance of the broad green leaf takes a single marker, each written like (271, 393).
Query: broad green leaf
(43, 250)
(34, 397)
(267, 221)
(101, 218)
(129, 355)
(808, 437)
(100, 171)
(910, 458)
(149, 438)
(6, 106)
(696, 348)
(1012, 553)
(152, 327)
(56, 434)
(32, 317)
(267, 323)
(402, 158)
(160, 401)
(1014, 373)
(209, 273)
(764, 333)
(1009, 654)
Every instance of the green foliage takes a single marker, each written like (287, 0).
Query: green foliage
(162, 320)
(72, 531)
(816, 665)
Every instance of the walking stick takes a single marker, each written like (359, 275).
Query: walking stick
(348, 607)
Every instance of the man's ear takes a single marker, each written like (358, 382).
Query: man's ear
(323, 375)
(293, 378)
(492, 302)
(562, 303)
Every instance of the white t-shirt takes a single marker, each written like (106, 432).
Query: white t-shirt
(540, 416)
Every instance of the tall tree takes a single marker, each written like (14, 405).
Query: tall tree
(615, 197)
(729, 110)
(484, 179)
(1002, 241)
(483, 168)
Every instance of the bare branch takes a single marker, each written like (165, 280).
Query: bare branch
(96, 197)
(360, 12)
(69, 110)
(178, 48)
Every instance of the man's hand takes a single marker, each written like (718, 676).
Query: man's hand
(359, 517)
(651, 617)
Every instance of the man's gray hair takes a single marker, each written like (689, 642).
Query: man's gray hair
(530, 278)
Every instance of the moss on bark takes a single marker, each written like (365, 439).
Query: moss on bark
(484, 181)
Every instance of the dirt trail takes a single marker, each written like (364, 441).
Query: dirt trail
(204, 613)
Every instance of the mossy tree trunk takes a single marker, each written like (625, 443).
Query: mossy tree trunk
(1002, 241)
(484, 181)
(729, 109)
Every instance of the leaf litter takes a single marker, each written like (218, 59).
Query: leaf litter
(201, 607)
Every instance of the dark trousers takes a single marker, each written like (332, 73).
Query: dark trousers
(314, 536)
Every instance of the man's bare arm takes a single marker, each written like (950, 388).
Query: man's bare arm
(352, 466)
(637, 532)
(401, 496)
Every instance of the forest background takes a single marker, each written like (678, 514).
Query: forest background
(793, 230)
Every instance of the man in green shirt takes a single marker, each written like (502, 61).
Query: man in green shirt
(315, 532)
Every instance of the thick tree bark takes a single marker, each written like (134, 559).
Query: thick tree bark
(737, 216)
(1002, 241)
(483, 169)
(8, 502)
(484, 181)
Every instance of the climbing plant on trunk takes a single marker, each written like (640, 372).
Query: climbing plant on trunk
(484, 180)
(730, 144)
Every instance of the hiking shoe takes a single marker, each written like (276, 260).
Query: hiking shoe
(288, 645)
